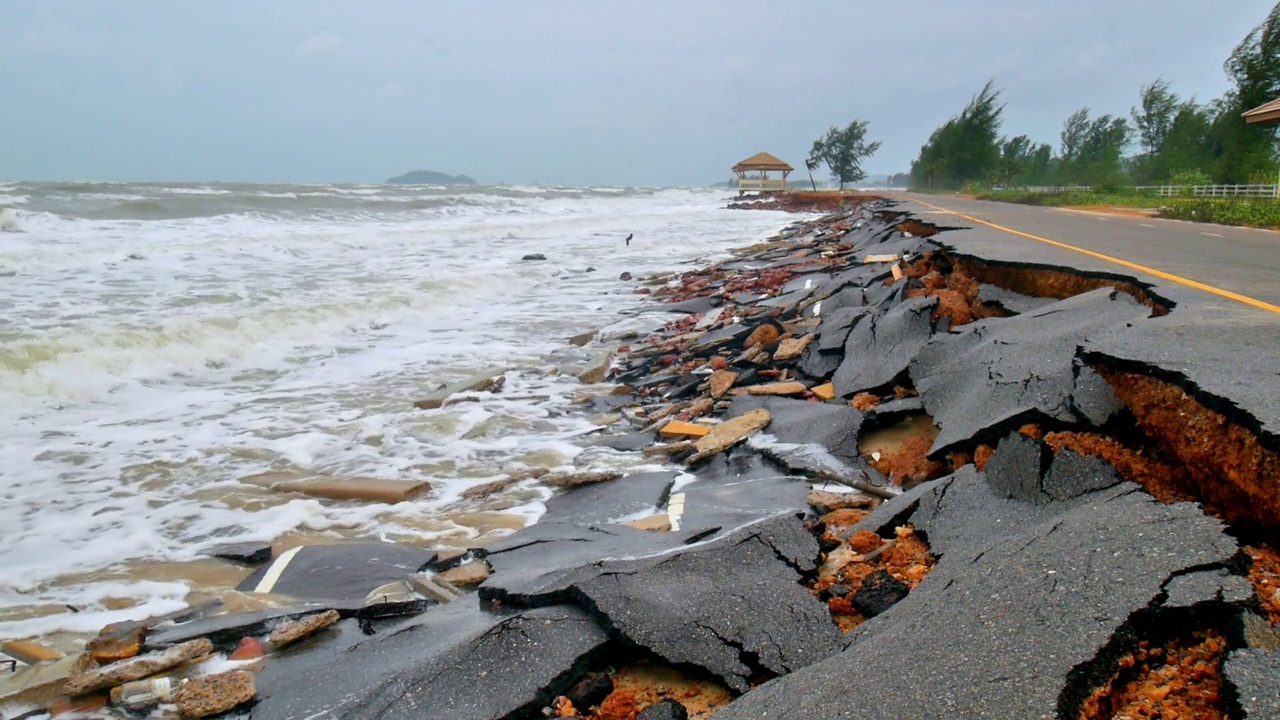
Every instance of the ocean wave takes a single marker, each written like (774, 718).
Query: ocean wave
(197, 190)
(9, 221)
(150, 202)
(293, 334)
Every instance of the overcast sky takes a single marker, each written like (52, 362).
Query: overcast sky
(661, 92)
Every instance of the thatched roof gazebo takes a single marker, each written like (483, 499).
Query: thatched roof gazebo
(762, 163)
(1265, 113)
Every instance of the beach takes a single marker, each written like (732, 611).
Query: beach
(161, 342)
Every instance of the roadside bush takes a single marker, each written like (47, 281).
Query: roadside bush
(1190, 177)
(1247, 212)
(1061, 199)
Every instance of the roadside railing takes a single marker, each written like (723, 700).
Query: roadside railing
(1212, 190)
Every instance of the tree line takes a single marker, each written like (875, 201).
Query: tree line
(1164, 139)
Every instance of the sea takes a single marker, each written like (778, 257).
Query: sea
(159, 342)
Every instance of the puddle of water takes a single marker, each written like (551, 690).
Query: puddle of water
(888, 440)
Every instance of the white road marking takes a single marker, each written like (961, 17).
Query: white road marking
(1210, 234)
(675, 508)
(1146, 225)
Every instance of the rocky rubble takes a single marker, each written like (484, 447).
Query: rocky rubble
(903, 482)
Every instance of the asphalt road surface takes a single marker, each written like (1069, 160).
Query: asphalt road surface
(1238, 260)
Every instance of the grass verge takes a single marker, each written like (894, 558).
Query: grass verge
(1247, 212)
(1075, 199)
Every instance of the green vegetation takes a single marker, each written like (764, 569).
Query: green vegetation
(1076, 199)
(1176, 139)
(842, 150)
(965, 147)
(1249, 212)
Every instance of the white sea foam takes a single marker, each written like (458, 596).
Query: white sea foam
(9, 220)
(148, 364)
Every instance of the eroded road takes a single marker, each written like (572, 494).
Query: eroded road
(1245, 261)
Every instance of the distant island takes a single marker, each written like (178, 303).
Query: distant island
(428, 177)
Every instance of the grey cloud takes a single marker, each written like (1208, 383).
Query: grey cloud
(563, 91)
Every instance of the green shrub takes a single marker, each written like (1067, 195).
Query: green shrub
(1248, 212)
(1262, 177)
(1190, 177)
(1130, 198)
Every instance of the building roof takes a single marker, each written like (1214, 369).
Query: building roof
(762, 161)
(1268, 112)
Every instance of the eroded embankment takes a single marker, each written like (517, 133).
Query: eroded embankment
(1178, 449)
(1169, 440)
(993, 351)
(804, 201)
(1151, 431)
(890, 465)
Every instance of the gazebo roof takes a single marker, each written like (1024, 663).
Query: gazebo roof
(1267, 112)
(762, 161)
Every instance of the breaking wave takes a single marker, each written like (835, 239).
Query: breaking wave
(9, 221)
(132, 201)
(159, 342)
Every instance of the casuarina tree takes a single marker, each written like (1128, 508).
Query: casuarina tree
(842, 150)
(965, 148)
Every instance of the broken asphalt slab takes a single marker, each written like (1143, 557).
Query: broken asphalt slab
(611, 501)
(811, 460)
(1022, 595)
(735, 608)
(455, 662)
(541, 560)
(245, 553)
(226, 630)
(1192, 346)
(537, 565)
(733, 605)
(992, 375)
(739, 488)
(341, 571)
(1012, 302)
(1025, 468)
(1255, 674)
(836, 325)
(881, 347)
(835, 426)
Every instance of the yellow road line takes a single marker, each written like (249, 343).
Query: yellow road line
(1124, 263)
(268, 581)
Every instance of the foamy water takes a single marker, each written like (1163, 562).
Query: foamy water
(157, 343)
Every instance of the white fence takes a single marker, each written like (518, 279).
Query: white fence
(1272, 191)
(1212, 190)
